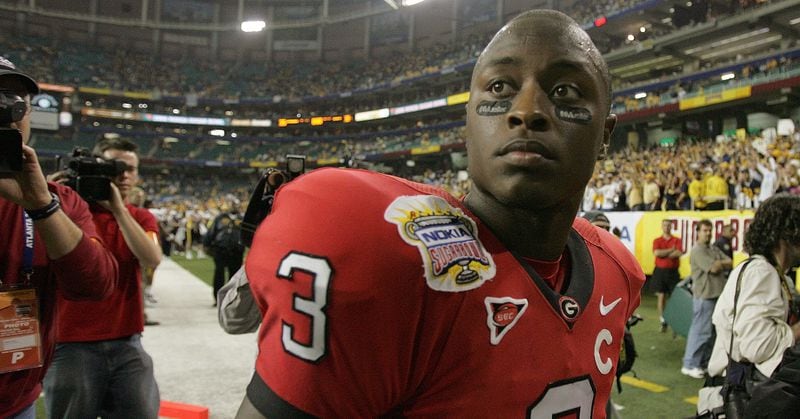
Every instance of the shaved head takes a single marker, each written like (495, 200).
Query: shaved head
(542, 25)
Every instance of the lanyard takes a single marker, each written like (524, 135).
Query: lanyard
(27, 247)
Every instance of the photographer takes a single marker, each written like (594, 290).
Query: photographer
(49, 242)
(99, 361)
(759, 294)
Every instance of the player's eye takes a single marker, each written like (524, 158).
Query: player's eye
(500, 87)
(566, 91)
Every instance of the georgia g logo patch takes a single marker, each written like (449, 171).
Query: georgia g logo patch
(454, 258)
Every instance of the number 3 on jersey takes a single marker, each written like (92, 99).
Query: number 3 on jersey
(572, 397)
(320, 271)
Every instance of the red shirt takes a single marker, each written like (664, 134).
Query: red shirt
(661, 243)
(120, 314)
(88, 272)
(390, 298)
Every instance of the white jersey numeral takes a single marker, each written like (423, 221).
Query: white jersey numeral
(575, 398)
(320, 271)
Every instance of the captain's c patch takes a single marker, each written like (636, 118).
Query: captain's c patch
(453, 257)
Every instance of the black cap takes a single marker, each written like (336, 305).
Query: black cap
(7, 68)
(595, 217)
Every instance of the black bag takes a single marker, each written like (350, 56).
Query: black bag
(627, 350)
(735, 395)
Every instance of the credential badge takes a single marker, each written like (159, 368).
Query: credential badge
(454, 258)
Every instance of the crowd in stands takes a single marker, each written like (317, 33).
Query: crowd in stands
(781, 65)
(734, 173)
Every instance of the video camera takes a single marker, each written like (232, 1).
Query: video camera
(12, 109)
(91, 176)
(263, 196)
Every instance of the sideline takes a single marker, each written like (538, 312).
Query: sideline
(196, 362)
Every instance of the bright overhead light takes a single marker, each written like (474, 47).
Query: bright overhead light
(630, 37)
(217, 132)
(642, 29)
(127, 105)
(727, 76)
(253, 25)
(734, 39)
(411, 2)
(742, 47)
(640, 95)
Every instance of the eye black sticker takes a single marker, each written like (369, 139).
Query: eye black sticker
(573, 114)
(490, 108)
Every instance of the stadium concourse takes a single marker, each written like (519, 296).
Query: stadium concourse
(196, 362)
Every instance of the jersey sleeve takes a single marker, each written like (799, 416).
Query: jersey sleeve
(147, 220)
(630, 266)
(89, 271)
(340, 296)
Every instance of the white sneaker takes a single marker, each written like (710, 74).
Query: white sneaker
(698, 373)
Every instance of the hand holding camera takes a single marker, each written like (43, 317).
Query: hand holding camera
(263, 195)
(90, 176)
(12, 109)
(115, 203)
(27, 187)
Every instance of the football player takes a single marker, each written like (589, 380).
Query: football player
(383, 297)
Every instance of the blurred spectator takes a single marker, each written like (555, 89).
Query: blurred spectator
(709, 265)
(224, 245)
(753, 316)
(667, 250)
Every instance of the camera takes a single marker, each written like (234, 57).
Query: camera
(263, 196)
(12, 109)
(91, 176)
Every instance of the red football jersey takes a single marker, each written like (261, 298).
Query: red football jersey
(383, 297)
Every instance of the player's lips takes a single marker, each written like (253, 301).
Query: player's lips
(525, 152)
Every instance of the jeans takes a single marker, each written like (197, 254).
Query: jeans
(700, 340)
(221, 262)
(110, 378)
(26, 413)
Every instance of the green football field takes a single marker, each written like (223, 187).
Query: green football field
(654, 389)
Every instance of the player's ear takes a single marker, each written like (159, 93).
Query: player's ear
(608, 128)
(610, 123)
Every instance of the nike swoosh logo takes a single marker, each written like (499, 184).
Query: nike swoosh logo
(605, 309)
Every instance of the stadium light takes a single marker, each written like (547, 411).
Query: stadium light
(253, 25)
(640, 95)
(727, 76)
